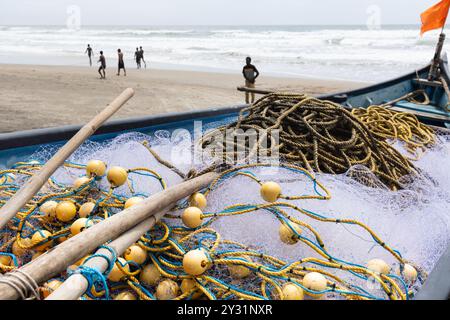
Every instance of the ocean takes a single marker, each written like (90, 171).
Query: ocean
(331, 52)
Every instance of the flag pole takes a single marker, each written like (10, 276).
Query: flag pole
(434, 68)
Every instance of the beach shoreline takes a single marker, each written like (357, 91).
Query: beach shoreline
(42, 96)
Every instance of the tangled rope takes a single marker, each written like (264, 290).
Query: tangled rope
(318, 135)
(403, 126)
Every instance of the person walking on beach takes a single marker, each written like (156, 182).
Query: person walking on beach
(250, 74)
(90, 53)
(121, 63)
(137, 56)
(141, 54)
(102, 68)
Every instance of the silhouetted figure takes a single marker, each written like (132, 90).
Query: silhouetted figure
(137, 56)
(90, 53)
(250, 74)
(102, 68)
(141, 53)
(121, 63)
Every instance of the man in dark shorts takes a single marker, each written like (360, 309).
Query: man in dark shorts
(141, 53)
(250, 74)
(137, 56)
(121, 63)
(102, 68)
(90, 53)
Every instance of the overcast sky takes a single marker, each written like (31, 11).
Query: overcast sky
(212, 12)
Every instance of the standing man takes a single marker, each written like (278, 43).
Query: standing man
(141, 53)
(250, 74)
(89, 53)
(102, 68)
(137, 56)
(121, 63)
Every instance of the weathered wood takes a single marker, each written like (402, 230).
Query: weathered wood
(59, 258)
(35, 183)
(76, 285)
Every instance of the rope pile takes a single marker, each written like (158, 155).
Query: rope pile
(317, 135)
(393, 125)
(183, 257)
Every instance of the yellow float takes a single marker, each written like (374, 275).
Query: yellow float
(117, 274)
(192, 217)
(86, 209)
(167, 290)
(379, 266)
(316, 282)
(195, 262)
(135, 254)
(270, 191)
(287, 235)
(40, 236)
(66, 211)
(133, 201)
(198, 200)
(95, 168)
(150, 275)
(117, 176)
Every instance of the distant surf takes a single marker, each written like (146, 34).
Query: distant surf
(334, 52)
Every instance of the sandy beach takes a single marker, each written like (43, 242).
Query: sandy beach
(48, 96)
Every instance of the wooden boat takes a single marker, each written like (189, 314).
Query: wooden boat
(17, 146)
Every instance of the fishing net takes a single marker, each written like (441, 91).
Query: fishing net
(317, 135)
(326, 219)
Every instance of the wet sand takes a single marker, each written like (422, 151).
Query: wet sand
(48, 96)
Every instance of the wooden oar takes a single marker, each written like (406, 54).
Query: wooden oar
(35, 183)
(76, 285)
(59, 258)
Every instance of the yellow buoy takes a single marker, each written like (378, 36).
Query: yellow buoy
(150, 275)
(39, 236)
(86, 209)
(198, 200)
(409, 273)
(292, 291)
(95, 168)
(195, 262)
(48, 208)
(7, 178)
(17, 250)
(167, 290)
(117, 176)
(79, 225)
(66, 211)
(239, 271)
(126, 295)
(187, 285)
(135, 254)
(116, 274)
(192, 217)
(132, 201)
(270, 191)
(378, 265)
(287, 235)
(316, 282)
(5, 260)
(50, 286)
(80, 181)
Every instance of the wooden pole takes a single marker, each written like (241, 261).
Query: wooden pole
(35, 183)
(59, 258)
(76, 285)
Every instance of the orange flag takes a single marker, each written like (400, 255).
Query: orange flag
(435, 17)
